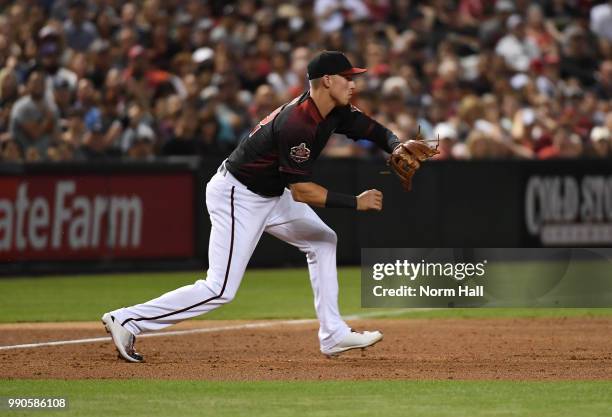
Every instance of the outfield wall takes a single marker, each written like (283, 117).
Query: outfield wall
(98, 216)
(118, 216)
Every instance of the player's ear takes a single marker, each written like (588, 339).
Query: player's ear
(326, 79)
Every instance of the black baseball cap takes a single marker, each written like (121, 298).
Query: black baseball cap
(331, 63)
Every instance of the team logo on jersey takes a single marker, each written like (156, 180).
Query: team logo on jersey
(300, 153)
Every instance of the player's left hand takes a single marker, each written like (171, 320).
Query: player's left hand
(407, 157)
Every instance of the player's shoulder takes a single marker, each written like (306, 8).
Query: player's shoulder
(299, 116)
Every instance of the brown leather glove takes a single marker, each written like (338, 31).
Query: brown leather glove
(407, 157)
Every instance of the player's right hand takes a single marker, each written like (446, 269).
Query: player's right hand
(370, 200)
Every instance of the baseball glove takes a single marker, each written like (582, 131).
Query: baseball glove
(407, 157)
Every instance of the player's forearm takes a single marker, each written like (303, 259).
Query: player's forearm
(384, 138)
(317, 196)
(309, 193)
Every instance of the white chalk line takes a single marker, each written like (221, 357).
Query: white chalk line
(244, 326)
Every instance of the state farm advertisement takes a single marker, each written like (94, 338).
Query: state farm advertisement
(96, 216)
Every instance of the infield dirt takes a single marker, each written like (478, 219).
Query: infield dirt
(509, 349)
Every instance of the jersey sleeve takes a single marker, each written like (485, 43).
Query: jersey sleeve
(356, 125)
(295, 161)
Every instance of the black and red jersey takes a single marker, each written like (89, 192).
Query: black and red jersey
(282, 148)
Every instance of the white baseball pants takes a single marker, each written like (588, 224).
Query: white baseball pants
(239, 217)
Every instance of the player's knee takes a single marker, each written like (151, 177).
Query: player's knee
(223, 293)
(227, 296)
(325, 239)
(330, 237)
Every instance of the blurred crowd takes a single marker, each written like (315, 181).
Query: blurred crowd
(102, 79)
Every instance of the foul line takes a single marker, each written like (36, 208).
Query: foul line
(207, 330)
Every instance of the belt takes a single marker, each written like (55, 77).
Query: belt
(228, 175)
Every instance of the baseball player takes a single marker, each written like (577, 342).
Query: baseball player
(265, 186)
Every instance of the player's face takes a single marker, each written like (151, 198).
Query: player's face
(341, 89)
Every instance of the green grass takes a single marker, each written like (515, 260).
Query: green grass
(330, 398)
(264, 294)
(279, 293)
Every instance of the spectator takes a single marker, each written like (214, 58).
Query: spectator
(137, 125)
(62, 97)
(10, 151)
(34, 123)
(49, 53)
(333, 14)
(126, 39)
(8, 95)
(281, 78)
(182, 37)
(567, 144)
(299, 61)
(516, 89)
(231, 110)
(540, 31)
(577, 60)
(167, 112)
(61, 152)
(85, 95)
(493, 27)
(104, 128)
(184, 139)
(101, 62)
(482, 147)
(252, 73)
(163, 48)
(447, 135)
(517, 49)
(601, 142)
(264, 102)
(193, 91)
(75, 130)
(33, 154)
(601, 22)
(145, 83)
(604, 81)
(79, 32)
(106, 21)
(210, 142)
(142, 146)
